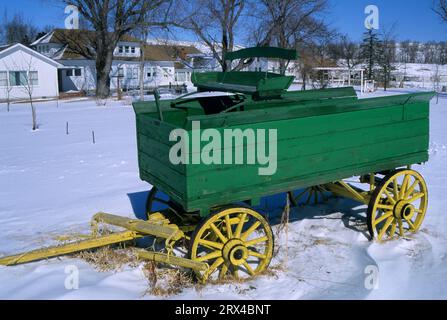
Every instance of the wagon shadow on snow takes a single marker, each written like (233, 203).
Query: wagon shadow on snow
(353, 214)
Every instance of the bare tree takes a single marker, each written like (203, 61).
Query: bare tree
(26, 78)
(111, 20)
(17, 30)
(346, 50)
(215, 22)
(440, 7)
(288, 23)
(387, 56)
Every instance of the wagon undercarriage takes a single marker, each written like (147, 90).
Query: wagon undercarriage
(236, 241)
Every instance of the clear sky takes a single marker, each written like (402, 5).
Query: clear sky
(414, 19)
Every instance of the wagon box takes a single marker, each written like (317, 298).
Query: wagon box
(317, 142)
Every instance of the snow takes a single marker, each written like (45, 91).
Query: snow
(52, 183)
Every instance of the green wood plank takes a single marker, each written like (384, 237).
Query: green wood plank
(162, 172)
(290, 148)
(244, 175)
(293, 183)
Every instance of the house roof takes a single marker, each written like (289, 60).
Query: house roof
(167, 52)
(5, 50)
(75, 41)
(4, 47)
(62, 36)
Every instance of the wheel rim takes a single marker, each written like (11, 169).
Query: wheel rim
(398, 205)
(236, 243)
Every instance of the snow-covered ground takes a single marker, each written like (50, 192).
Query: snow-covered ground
(52, 183)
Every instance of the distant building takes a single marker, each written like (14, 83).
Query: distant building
(24, 71)
(79, 73)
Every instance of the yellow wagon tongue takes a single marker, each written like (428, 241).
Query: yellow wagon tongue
(55, 251)
(157, 226)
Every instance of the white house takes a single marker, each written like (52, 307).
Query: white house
(25, 72)
(79, 73)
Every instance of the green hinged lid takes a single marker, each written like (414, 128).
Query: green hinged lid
(257, 84)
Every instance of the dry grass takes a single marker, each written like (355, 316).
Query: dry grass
(109, 258)
(166, 282)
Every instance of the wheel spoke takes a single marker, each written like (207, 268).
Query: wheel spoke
(393, 228)
(209, 256)
(416, 197)
(229, 230)
(212, 244)
(385, 228)
(396, 193)
(249, 268)
(410, 224)
(389, 197)
(214, 266)
(401, 227)
(223, 272)
(411, 189)
(383, 217)
(316, 197)
(235, 272)
(218, 233)
(257, 254)
(385, 207)
(250, 230)
(256, 241)
(309, 198)
(240, 225)
(404, 186)
(298, 197)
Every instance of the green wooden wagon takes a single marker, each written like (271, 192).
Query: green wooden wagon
(204, 188)
(323, 137)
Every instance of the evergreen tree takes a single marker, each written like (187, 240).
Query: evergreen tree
(370, 51)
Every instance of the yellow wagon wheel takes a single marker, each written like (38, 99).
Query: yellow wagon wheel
(236, 242)
(398, 205)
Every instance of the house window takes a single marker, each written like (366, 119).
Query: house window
(120, 49)
(34, 78)
(73, 72)
(131, 73)
(181, 77)
(3, 78)
(132, 49)
(17, 78)
(166, 72)
(127, 48)
(44, 49)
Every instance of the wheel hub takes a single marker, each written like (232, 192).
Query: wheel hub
(235, 252)
(403, 210)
